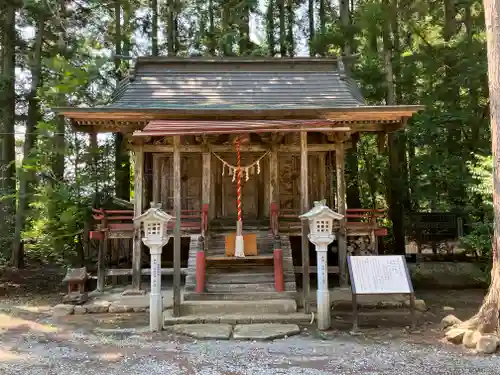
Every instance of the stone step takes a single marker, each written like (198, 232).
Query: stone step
(271, 306)
(247, 296)
(246, 287)
(236, 318)
(245, 277)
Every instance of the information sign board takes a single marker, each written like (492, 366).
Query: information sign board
(383, 274)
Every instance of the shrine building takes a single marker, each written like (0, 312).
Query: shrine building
(185, 119)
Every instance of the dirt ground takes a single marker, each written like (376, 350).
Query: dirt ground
(32, 342)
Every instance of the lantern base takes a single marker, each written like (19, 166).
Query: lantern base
(239, 247)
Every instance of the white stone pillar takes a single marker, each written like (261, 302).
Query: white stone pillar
(323, 294)
(155, 297)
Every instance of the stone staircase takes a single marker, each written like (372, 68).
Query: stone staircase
(248, 279)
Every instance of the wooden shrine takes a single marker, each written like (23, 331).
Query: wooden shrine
(292, 120)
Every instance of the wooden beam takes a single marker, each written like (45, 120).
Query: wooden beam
(206, 177)
(138, 204)
(177, 231)
(157, 179)
(304, 205)
(341, 209)
(228, 148)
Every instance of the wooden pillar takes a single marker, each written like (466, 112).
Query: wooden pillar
(177, 231)
(322, 176)
(138, 206)
(304, 205)
(157, 179)
(273, 177)
(341, 203)
(212, 211)
(101, 257)
(207, 178)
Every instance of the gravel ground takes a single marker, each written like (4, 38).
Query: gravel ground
(43, 349)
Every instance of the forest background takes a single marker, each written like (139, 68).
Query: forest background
(57, 53)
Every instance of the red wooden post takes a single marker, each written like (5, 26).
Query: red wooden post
(274, 218)
(279, 282)
(200, 271)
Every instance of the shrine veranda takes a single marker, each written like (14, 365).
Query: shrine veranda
(292, 119)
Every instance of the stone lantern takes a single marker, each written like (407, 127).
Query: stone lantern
(154, 228)
(321, 219)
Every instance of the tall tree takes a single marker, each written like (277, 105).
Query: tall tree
(290, 42)
(487, 318)
(282, 17)
(352, 175)
(154, 28)
(122, 160)
(270, 26)
(310, 16)
(7, 120)
(26, 171)
(171, 32)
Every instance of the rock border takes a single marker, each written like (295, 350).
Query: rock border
(470, 339)
(97, 307)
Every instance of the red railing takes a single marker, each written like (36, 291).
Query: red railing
(122, 220)
(355, 217)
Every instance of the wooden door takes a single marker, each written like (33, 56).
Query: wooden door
(250, 189)
(191, 176)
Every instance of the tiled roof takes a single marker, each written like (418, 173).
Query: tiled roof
(163, 83)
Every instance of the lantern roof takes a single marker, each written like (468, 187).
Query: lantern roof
(154, 213)
(321, 210)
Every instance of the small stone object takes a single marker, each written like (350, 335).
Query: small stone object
(455, 335)
(62, 310)
(487, 344)
(471, 338)
(76, 279)
(449, 321)
(448, 308)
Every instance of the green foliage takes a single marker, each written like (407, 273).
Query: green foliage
(447, 146)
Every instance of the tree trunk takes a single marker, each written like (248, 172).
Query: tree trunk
(396, 186)
(352, 171)
(122, 162)
(310, 16)
(7, 119)
(270, 28)
(226, 29)
(322, 18)
(291, 22)
(486, 320)
(26, 176)
(154, 28)
(212, 43)
(281, 7)
(170, 28)
(244, 30)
